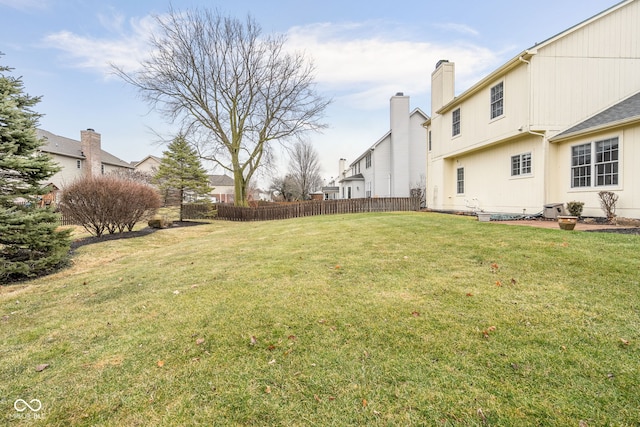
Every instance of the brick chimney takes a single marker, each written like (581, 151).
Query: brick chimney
(92, 151)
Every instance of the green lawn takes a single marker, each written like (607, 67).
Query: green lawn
(365, 319)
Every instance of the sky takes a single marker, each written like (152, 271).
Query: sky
(364, 53)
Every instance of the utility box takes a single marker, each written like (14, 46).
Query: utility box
(553, 210)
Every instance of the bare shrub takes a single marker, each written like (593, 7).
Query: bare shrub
(608, 202)
(108, 203)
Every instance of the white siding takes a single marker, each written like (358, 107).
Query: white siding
(627, 190)
(488, 182)
(569, 78)
(587, 70)
(382, 168)
(69, 172)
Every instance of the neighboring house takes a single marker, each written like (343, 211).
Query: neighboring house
(393, 165)
(148, 165)
(79, 158)
(557, 123)
(223, 189)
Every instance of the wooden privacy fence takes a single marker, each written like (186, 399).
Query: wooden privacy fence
(316, 207)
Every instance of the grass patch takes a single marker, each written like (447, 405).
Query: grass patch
(365, 319)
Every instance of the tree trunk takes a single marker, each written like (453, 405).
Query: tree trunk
(239, 188)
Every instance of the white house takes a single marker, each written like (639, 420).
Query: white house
(78, 158)
(559, 122)
(393, 165)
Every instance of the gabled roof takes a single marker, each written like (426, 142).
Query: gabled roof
(386, 135)
(525, 55)
(626, 111)
(56, 144)
(149, 157)
(221, 180)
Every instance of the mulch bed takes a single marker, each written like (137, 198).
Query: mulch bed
(635, 230)
(128, 235)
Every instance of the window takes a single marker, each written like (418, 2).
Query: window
(460, 181)
(607, 162)
(581, 165)
(79, 164)
(429, 139)
(367, 161)
(497, 100)
(455, 122)
(356, 169)
(521, 164)
(604, 168)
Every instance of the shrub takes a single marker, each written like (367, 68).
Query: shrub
(575, 208)
(108, 203)
(608, 202)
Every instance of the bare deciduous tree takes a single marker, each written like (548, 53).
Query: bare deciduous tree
(304, 167)
(232, 89)
(283, 188)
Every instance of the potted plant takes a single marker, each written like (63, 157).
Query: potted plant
(568, 222)
(575, 208)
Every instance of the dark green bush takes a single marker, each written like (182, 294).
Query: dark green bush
(575, 208)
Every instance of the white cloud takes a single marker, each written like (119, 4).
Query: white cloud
(126, 48)
(458, 28)
(358, 63)
(367, 69)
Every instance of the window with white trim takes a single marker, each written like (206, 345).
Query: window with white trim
(521, 164)
(367, 162)
(429, 140)
(455, 122)
(604, 165)
(497, 100)
(460, 181)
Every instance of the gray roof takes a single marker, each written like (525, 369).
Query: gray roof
(221, 180)
(68, 147)
(358, 177)
(623, 111)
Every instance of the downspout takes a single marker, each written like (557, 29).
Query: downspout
(545, 142)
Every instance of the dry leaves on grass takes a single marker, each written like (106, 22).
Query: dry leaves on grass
(485, 333)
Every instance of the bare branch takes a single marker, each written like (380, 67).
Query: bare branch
(219, 77)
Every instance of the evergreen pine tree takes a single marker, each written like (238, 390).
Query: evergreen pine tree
(29, 241)
(180, 170)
